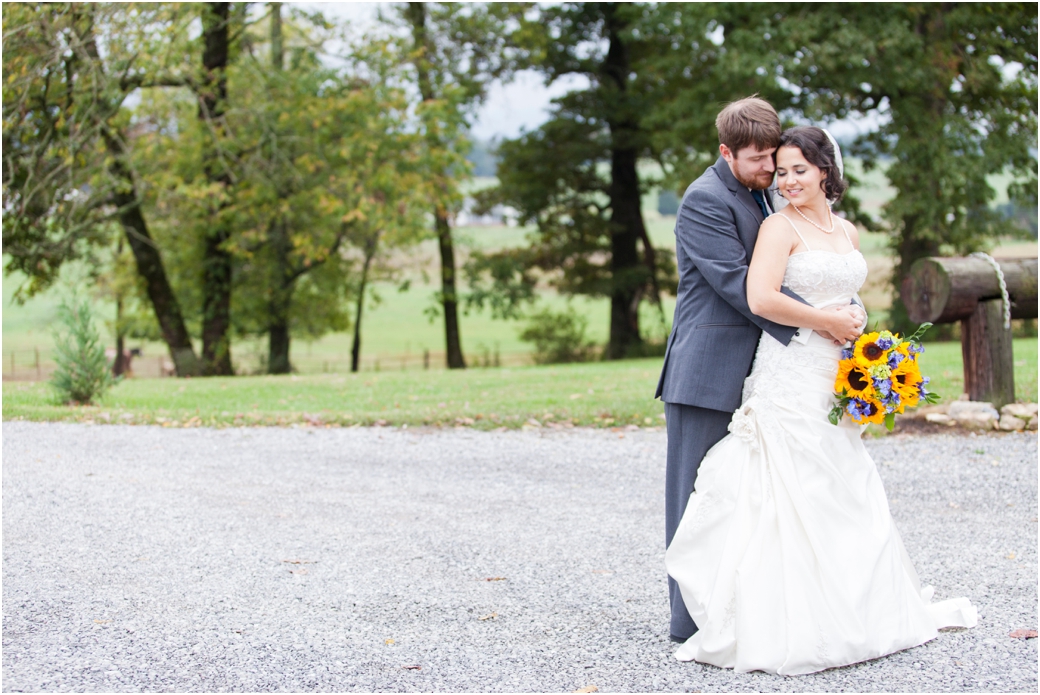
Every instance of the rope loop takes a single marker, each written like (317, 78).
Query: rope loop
(1003, 286)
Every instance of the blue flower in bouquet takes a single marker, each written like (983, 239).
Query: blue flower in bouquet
(885, 340)
(883, 387)
(894, 358)
(891, 401)
(921, 386)
(846, 353)
(916, 349)
(858, 408)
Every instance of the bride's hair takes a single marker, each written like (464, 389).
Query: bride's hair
(817, 149)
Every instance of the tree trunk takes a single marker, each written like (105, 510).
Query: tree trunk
(628, 274)
(279, 338)
(278, 346)
(277, 46)
(912, 246)
(355, 350)
(150, 267)
(449, 296)
(630, 277)
(283, 283)
(216, 264)
(119, 363)
(146, 254)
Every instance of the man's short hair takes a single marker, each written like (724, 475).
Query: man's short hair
(749, 121)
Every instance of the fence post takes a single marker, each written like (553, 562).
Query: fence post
(972, 291)
(426, 359)
(12, 364)
(986, 346)
(37, 351)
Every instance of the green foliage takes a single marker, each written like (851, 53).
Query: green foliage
(82, 374)
(322, 162)
(62, 118)
(501, 281)
(957, 84)
(558, 336)
(576, 178)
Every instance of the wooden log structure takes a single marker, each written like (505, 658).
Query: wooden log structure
(944, 290)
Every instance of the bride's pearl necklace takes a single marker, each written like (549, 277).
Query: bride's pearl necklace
(829, 215)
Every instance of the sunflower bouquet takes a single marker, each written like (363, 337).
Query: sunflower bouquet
(878, 377)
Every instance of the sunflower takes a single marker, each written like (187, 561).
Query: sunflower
(866, 410)
(867, 351)
(906, 381)
(853, 380)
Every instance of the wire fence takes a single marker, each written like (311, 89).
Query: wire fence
(37, 364)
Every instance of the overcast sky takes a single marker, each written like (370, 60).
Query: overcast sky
(523, 103)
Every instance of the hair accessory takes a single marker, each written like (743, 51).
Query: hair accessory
(837, 152)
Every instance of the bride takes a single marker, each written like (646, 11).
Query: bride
(787, 557)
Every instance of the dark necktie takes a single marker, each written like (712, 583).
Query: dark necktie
(761, 200)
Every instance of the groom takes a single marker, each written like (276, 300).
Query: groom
(714, 334)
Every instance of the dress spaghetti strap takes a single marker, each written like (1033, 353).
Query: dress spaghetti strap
(795, 228)
(846, 230)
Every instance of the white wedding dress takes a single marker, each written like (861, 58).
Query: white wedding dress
(787, 556)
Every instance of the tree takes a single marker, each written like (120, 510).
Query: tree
(330, 163)
(212, 93)
(457, 51)
(66, 166)
(955, 88)
(577, 177)
(318, 157)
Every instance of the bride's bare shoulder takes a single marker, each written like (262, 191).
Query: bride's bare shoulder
(777, 227)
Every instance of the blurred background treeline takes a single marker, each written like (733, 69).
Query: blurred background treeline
(263, 188)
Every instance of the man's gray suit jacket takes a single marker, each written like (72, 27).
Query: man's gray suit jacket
(714, 334)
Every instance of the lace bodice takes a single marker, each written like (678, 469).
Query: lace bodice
(825, 278)
(788, 372)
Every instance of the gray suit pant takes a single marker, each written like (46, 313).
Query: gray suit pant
(691, 432)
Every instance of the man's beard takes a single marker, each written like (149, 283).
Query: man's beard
(758, 182)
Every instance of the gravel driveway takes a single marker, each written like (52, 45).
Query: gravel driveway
(141, 558)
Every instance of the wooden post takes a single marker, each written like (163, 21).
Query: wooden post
(989, 370)
(426, 359)
(12, 364)
(945, 290)
(37, 351)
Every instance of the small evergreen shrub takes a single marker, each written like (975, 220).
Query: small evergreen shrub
(83, 372)
(558, 337)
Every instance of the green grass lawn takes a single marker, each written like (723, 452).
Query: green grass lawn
(597, 394)
(591, 394)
